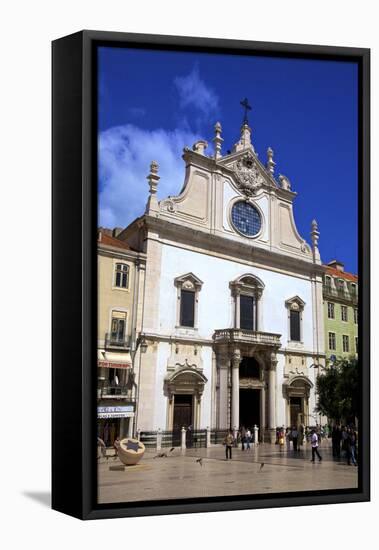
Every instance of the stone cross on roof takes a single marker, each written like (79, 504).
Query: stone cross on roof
(247, 107)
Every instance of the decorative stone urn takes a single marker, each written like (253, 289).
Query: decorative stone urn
(130, 451)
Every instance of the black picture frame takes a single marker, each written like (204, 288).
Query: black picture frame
(74, 206)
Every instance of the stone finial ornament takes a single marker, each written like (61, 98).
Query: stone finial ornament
(315, 234)
(285, 182)
(270, 165)
(217, 140)
(153, 178)
(200, 146)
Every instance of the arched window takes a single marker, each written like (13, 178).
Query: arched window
(247, 291)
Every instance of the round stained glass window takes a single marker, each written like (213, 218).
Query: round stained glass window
(246, 219)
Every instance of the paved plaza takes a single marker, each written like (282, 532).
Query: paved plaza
(181, 476)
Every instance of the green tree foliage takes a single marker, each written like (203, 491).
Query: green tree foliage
(338, 390)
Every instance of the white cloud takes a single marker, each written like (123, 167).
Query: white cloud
(125, 154)
(194, 92)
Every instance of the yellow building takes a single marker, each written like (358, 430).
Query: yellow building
(120, 288)
(340, 295)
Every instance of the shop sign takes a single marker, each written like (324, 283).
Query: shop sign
(115, 412)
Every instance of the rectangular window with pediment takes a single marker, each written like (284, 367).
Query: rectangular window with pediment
(187, 308)
(295, 326)
(188, 288)
(295, 308)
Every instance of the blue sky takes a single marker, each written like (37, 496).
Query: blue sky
(153, 103)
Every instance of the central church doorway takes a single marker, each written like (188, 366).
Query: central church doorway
(250, 406)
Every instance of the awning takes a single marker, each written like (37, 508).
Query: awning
(111, 360)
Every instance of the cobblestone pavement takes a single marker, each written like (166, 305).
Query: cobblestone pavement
(181, 476)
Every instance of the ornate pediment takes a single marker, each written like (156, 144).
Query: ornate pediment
(184, 379)
(295, 303)
(247, 174)
(189, 281)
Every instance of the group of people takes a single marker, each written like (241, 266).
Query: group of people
(294, 435)
(246, 437)
(344, 442)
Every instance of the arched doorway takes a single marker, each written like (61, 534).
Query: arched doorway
(297, 391)
(184, 388)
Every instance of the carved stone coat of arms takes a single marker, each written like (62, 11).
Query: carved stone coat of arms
(247, 175)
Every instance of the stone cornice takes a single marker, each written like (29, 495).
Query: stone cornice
(196, 159)
(211, 243)
(180, 339)
(114, 252)
(186, 339)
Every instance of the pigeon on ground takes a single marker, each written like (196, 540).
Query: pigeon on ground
(262, 464)
(161, 455)
(200, 461)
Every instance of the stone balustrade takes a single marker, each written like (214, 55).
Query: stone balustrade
(245, 336)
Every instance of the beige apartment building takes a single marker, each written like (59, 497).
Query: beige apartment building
(120, 291)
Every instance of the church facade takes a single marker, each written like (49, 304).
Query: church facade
(232, 300)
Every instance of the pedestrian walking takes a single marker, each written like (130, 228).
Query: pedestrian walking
(336, 441)
(294, 435)
(248, 439)
(228, 442)
(314, 443)
(281, 439)
(288, 439)
(344, 436)
(351, 446)
(243, 437)
(116, 445)
(300, 440)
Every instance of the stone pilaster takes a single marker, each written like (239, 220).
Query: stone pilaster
(272, 397)
(222, 413)
(236, 360)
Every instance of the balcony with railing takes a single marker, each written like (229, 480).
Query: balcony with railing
(115, 391)
(246, 336)
(116, 341)
(340, 294)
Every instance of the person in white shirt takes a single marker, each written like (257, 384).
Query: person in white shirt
(248, 438)
(314, 443)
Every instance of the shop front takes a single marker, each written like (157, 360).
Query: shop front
(116, 396)
(114, 421)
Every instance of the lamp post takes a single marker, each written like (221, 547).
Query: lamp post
(140, 343)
